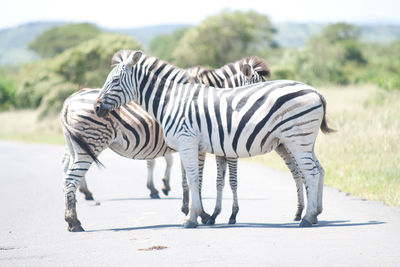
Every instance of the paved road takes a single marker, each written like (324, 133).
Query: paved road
(126, 225)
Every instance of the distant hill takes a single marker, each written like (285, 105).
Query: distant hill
(297, 34)
(145, 34)
(14, 41)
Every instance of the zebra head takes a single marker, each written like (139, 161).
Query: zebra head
(119, 87)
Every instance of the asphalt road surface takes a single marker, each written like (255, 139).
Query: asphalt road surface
(127, 228)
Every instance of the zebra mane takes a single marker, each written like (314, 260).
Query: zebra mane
(121, 56)
(258, 65)
(148, 60)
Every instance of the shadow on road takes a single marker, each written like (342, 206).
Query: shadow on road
(137, 198)
(245, 225)
(168, 198)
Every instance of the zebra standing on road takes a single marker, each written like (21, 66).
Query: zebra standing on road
(131, 132)
(240, 122)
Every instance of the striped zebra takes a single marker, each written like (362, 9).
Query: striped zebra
(132, 133)
(82, 113)
(240, 122)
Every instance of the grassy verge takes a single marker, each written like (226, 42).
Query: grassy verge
(23, 125)
(363, 157)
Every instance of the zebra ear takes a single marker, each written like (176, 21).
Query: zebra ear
(134, 58)
(246, 70)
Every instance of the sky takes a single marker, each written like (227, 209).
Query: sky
(131, 13)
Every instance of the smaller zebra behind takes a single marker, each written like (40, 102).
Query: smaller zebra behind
(129, 131)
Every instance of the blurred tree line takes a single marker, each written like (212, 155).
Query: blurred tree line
(78, 55)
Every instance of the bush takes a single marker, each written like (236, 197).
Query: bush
(36, 81)
(7, 91)
(58, 39)
(47, 83)
(89, 63)
(223, 38)
(52, 103)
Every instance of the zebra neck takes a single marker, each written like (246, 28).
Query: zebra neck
(155, 81)
(153, 91)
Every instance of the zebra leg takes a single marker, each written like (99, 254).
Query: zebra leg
(185, 201)
(188, 151)
(65, 160)
(232, 163)
(150, 182)
(304, 161)
(203, 215)
(79, 163)
(320, 189)
(83, 185)
(185, 189)
(84, 189)
(281, 150)
(221, 170)
(72, 179)
(167, 175)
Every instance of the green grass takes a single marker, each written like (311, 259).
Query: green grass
(363, 157)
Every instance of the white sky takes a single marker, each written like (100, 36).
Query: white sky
(131, 13)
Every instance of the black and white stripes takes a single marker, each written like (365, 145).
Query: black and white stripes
(129, 130)
(241, 122)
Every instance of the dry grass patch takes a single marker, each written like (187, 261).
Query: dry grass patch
(363, 157)
(24, 125)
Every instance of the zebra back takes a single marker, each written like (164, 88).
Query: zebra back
(248, 70)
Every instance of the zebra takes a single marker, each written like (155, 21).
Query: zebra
(239, 122)
(87, 135)
(84, 114)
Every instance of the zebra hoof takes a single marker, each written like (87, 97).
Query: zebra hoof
(155, 195)
(210, 222)
(76, 228)
(314, 220)
(305, 223)
(232, 221)
(165, 191)
(185, 209)
(297, 218)
(204, 218)
(189, 224)
(166, 188)
(89, 197)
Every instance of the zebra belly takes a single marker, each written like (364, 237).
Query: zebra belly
(295, 121)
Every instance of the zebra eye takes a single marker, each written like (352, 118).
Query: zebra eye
(115, 80)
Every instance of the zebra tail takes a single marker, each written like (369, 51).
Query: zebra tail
(76, 137)
(324, 125)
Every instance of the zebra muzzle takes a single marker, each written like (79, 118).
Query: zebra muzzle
(99, 108)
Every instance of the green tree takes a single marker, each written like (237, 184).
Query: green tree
(56, 40)
(7, 91)
(47, 83)
(88, 64)
(223, 38)
(163, 45)
(333, 57)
